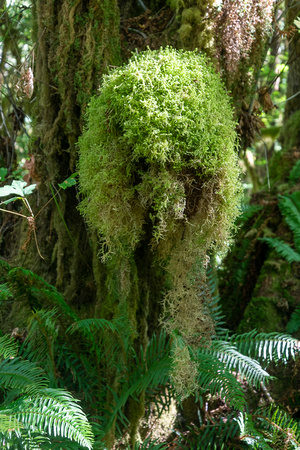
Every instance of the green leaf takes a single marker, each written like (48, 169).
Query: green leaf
(18, 186)
(283, 249)
(53, 411)
(10, 200)
(21, 374)
(3, 173)
(29, 189)
(6, 190)
(71, 181)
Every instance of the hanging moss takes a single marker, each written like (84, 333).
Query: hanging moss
(160, 181)
(195, 29)
(159, 148)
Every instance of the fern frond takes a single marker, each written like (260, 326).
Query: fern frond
(78, 372)
(250, 435)
(22, 439)
(295, 173)
(233, 360)
(293, 324)
(116, 336)
(5, 292)
(213, 304)
(150, 371)
(290, 208)
(278, 427)
(8, 423)
(283, 249)
(213, 376)
(8, 347)
(89, 326)
(247, 211)
(39, 343)
(23, 375)
(213, 435)
(54, 411)
(266, 346)
(25, 282)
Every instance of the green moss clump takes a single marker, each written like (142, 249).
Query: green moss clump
(158, 151)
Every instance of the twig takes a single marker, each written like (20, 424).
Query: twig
(138, 32)
(267, 165)
(142, 4)
(13, 212)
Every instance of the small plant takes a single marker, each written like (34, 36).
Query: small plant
(32, 414)
(20, 191)
(290, 208)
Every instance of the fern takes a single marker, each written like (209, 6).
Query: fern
(24, 283)
(214, 377)
(283, 249)
(268, 429)
(295, 173)
(39, 343)
(212, 435)
(8, 347)
(290, 209)
(248, 211)
(5, 292)
(143, 377)
(235, 361)
(294, 322)
(23, 375)
(53, 410)
(34, 413)
(266, 346)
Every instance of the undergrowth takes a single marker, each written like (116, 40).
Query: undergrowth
(77, 356)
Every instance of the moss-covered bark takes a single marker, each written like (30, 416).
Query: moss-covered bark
(76, 41)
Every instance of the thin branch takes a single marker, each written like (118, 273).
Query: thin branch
(142, 5)
(13, 212)
(138, 32)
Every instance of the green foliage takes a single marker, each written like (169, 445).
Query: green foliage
(159, 148)
(70, 181)
(269, 428)
(80, 357)
(18, 188)
(266, 346)
(31, 412)
(294, 322)
(295, 173)
(290, 209)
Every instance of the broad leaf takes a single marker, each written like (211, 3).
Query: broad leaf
(17, 188)
(71, 181)
(29, 189)
(3, 173)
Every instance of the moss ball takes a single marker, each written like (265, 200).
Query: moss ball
(159, 152)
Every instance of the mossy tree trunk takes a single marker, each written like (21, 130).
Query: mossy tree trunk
(76, 41)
